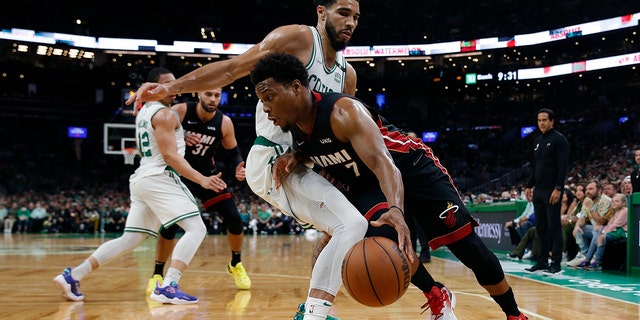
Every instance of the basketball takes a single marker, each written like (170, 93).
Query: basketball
(375, 272)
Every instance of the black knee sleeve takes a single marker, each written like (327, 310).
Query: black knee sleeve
(474, 254)
(229, 212)
(169, 233)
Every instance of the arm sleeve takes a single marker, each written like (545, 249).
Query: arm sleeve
(234, 155)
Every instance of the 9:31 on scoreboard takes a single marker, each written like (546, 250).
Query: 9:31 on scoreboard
(473, 78)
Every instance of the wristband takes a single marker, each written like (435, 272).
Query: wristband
(397, 208)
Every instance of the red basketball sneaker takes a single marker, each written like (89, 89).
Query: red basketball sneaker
(441, 301)
(520, 317)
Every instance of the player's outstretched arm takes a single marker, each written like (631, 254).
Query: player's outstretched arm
(292, 39)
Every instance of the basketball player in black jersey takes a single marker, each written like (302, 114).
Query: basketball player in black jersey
(352, 143)
(206, 129)
(305, 195)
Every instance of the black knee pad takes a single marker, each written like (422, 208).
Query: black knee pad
(170, 232)
(475, 255)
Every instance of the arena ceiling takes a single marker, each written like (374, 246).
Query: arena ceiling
(248, 21)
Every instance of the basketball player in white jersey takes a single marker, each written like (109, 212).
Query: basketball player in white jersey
(158, 196)
(304, 195)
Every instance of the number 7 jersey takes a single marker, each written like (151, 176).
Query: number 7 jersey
(328, 152)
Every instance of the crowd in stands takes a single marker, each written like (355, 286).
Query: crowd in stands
(593, 218)
(483, 163)
(55, 197)
(35, 205)
(37, 200)
(39, 203)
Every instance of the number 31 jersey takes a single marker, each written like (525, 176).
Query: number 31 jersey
(201, 156)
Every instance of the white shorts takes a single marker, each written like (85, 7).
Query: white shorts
(258, 173)
(159, 199)
(305, 188)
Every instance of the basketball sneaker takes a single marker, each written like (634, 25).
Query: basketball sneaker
(577, 260)
(68, 286)
(156, 279)
(552, 270)
(512, 256)
(239, 275)
(441, 301)
(593, 266)
(521, 316)
(537, 267)
(172, 294)
(300, 314)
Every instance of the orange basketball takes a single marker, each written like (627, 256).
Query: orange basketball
(375, 272)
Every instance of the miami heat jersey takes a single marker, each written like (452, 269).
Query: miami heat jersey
(200, 156)
(326, 151)
(322, 78)
(411, 156)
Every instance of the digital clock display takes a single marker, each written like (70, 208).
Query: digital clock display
(508, 76)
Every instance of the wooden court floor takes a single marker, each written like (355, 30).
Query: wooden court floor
(279, 268)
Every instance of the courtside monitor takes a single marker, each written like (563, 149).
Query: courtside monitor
(77, 132)
(525, 131)
(429, 136)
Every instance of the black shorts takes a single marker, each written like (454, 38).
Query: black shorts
(372, 203)
(437, 207)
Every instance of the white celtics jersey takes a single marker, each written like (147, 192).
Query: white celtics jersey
(151, 161)
(321, 79)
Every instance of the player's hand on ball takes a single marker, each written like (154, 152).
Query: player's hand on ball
(395, 219)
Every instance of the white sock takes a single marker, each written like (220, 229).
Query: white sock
(316, 309)
(81, 270)
(172, 275)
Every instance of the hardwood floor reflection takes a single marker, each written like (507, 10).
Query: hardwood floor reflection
(279, 269)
